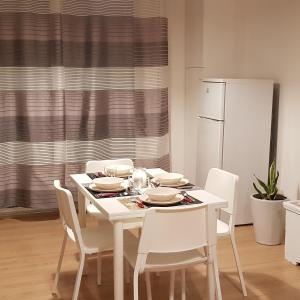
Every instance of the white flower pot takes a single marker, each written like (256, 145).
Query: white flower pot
(268, 220)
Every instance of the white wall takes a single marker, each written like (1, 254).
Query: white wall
(175, 10)
(269, 42)
(259, 39)
(194, 70)
(220, 46)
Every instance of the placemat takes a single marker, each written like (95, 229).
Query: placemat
(99, 195)
(95, 175)
(136, 203)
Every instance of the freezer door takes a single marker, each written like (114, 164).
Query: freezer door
(211, 102)
(209, 148)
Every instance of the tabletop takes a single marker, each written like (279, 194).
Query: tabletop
(115, 209)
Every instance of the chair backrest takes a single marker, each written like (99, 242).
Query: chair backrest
(173, 229)
(68, 213)
(224, 185)
(99, 165)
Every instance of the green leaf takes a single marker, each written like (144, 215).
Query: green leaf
(272, 173)
(257, 189)
(264, 186)
(273, 195)
(276, 179)
(270, 187)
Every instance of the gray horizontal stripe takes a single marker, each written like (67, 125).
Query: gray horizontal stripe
(93, 103)
(40, 6)
(81, 127)
(32, 186)
(31, 103)
(115, 54)
(14, 53)
(45, 199)
(56, 78)
(142, 8)
(117, 29)
(34, 26)
(74, 151)
(96, 7)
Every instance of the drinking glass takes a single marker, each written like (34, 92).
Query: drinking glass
(139, 178)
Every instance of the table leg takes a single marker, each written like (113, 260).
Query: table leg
(118, 261)
(212, 215)
(210, 275)
(81, 209)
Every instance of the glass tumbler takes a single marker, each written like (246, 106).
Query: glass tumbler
(139, 178)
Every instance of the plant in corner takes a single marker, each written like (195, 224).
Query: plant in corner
(269, 190)
(267, 209)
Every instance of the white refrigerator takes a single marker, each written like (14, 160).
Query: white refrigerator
(234, 129)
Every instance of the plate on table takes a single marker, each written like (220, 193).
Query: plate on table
(182, 182)
(108, 183)
(161, 193)
(169, 178)
(95, 188)
(124, 175)
(146, 199)
(119, 170)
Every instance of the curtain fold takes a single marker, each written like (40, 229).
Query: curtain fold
(79, 80)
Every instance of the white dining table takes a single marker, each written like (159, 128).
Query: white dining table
(122, 217)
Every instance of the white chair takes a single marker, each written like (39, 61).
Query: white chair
(93, 166)
(170, 240)
(224, 185)
(88, 240)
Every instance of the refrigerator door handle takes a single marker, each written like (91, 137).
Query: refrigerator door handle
(206, 118)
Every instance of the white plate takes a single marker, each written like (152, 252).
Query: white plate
(93, 187)
(108, 183)
(176, 199)
(161, 193)
(124, 175)
(119, 170)
(182, 182)
(169, 178)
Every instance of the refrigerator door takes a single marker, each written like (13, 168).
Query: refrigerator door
(209, 148)
(212, 99)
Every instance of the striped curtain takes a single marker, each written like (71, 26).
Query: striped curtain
(79, 80)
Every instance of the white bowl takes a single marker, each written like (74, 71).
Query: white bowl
(107, 183)
(169, 178)
(161, 193)
(119, 170)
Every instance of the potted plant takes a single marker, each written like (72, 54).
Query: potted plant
(267, 210)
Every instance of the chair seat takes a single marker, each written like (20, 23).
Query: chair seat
(96, 240)
(222, 228)
(160, 261)
(95, 212)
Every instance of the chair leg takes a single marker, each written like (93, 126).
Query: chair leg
(135, 284)
(148, 286)
(99, 268)
(172, 285)
(238, 264)
(78, 277)
(183, 287)
(216, 274)
(62, 251)
(127, 271)
(85, 268)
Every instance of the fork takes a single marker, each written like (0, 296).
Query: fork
(187, 196)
